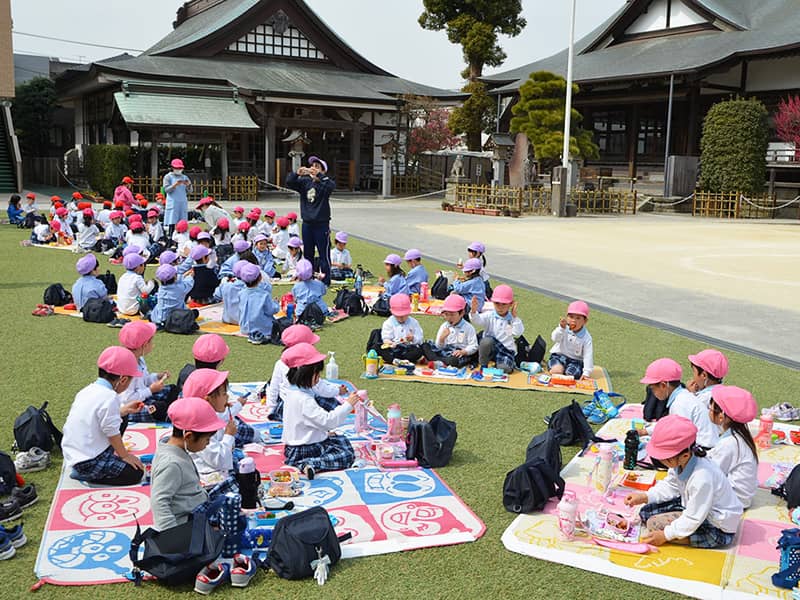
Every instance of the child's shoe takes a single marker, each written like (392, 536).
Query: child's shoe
(243, 570)
(9, 510)
(25, 496)
(31, 461)
(211, 577)
(7, 549)
(115, 261)
(15, 535)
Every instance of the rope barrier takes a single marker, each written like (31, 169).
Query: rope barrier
(649, 200)
(758, 206)
(283, 189)
(71, 184)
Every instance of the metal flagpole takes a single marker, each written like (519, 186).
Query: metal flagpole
(669, 130)
(568, 103)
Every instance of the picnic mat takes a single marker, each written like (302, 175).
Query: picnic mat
(430, 307)
(742, 570)
(71, 248)
(518, 380)
(88, 531)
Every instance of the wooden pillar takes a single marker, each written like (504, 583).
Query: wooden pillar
(269, 150)
(633, 140)
(693, 126)
(224, 159)
(154, 154)
(355, 154)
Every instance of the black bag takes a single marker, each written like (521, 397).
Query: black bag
(653, 408)
(56, 295)
(530, 353)
(176, 555)
(300, 539)
(528, 487)
(351, 302)
(789, 490)
(571, 426)
(439, 289)
(8, 474)
(312, 316)
(34, 427)
(110, 281)
(431, 443)
(98, 310)
(181, 320)
(278, 327)
(375, 340)
(487, 287)
(381, 307)
(547, 447)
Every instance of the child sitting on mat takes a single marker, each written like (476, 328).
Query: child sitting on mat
(294, 256)
(263, 254)
(732, 408)
(229, 292)
(663, 377)
(341, 261)
(416, 272)
(148, 388)
(396, 283)
(92, 444)
(709, 367)
(209, 352)
(308, 445)
(573, 351)
(88, 285)
(501, 327)
(239, 247)
(171, 294)
(256, 307)
(401, 336)
(456, 342)
(308, 290)
(470, 285)
(175, 489)
(205, 279)
(695, 504)
(325, 392)
(132, 285)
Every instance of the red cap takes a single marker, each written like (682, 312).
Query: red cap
(119, 204)
(152, 214)
(31, 196)
(55, 198)
(244, 226)
(291, 216)
(77, 196)
(107, 204)
(204, 202)
(194, 231)
(282, 222)
(270, 213)
(88, 212)
(223, 223)
(181, 225)
(127, 179)
(143, 202)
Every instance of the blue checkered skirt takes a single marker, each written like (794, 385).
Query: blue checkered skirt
(705, 536)
(103, 466)
(331, 454)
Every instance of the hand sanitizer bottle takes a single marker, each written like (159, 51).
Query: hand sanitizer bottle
(332, 370)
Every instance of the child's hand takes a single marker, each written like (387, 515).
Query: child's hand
(562, 323)
(342, 390)
(656, 538)
(381, 280)
(459, 353)
(692, 386)
(353, 399)
(133, 461)
(474, 305)
(514, 310)
(131, 407)
(157, 386)
(409, 338)
(230, 428)
(635, 498)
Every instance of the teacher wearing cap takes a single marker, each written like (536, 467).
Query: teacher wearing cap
(315, 188)
(176, 187)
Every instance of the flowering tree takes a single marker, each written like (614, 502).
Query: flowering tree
(430, 134)
(787, 123)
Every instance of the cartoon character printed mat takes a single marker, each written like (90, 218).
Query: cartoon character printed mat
(430, 307)
(88, 531)
(742, 570)
(71, 248)
(518, 380)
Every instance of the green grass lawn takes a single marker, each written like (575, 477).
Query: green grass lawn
(52, 358)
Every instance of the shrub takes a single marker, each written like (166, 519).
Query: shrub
(106, 165)
(734, 147)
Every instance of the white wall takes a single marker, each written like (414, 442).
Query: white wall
(655, 19)
(682, 15)
(774, 74)
(78, 122)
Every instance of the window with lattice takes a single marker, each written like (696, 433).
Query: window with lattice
(278, 37)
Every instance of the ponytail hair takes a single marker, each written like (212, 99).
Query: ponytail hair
(738, 429)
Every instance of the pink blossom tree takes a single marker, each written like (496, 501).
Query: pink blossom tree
(430, 134)
(787, 123)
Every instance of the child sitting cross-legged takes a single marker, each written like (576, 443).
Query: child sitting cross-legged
(695, 504)
(171, 294)
(573, 352)
(209, 352)
(205, 279)
(147, 388)
(308, 292)
(132, 285)
(88, 285)
(501, 327)
(456, 342)
(92, 443)
(306, 425)
(401, 336)
(230, 292)
(256, 306)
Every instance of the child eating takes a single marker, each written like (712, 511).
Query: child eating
(501, 327)
(573, 352)
(456, 342)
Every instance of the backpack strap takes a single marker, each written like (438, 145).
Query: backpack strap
(345, 536)
(54, 431)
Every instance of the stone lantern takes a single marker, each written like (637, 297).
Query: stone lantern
(298, 142)
(502, 147)
(388, 151)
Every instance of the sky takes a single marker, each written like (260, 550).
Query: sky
(385, 32)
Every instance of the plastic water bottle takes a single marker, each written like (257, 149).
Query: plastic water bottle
(631, 450)
(290, 310)
(604, 468)
(359, 283)
(362, 423)
(423, 291)
(332, 370)
(567, 514)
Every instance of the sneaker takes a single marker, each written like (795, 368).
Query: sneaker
(9, 510)
(118, 323)
(15, 535)
(26, 495)
(258, 341)
(31, 461)
(7, 549)
(309, 472)
(109, 252)
(115, 261)
(211, 577)
(782, 412)
(243, 570)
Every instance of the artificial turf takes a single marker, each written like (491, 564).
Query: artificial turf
(50, 359)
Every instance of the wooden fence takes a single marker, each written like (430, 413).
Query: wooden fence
(731, 205)
(240, 188)
(619, 202)
(405, 185)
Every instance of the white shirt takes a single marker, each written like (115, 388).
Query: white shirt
(305, 421)
(41, 231)
(503, 329)
(705, 395)
(279, 386)
(155, 231)
(293, 229)
(705, 494)
(93, 418)
(139, 388)
(736, 460)
(281, 240)
(116, 231)
(131, 285)
(341, 257)
(461, 336)
(183, 242)
(684, 403)
(103, 217)
(396, 333)
(218, 455)
(140, 240)
(87, 235)
(575, 345)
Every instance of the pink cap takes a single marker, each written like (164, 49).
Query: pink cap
(477, 247)
(176, 163)
(201, 382)
(133, 261)
(55, 225)
(136, 334)
(131, 249)
(291, 216)
(735, 402)
(400, 305)
(119, 361)
(579, 307)
(662, 370)
(454, 303)
(260, 238)
(223, 223)
(166, 273)
(137, 226)
(86, 264)
(239, 209)
(167, 257)
(199, 252)
(194, 414)
(152, 213)
(62, 212)
(712, 362)
(88, 212)
(295, 242)
(413, 254)
(304, 269)
(181, 225)
(254, 215)
(270, 214)
(249, 272)
(503, 294)
(243, 226)
(240, 246)
(301, 354)
(256, 211)
(204, 202)
(203, 235)
(393, 259)
(472, 264)
(672, 435)
(194, 231)
(341, 237)
(116, 214)
(210, 348)
(282, 222)
(298, 334)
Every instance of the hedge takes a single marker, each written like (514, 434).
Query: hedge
(734, 147)
(106, 165)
